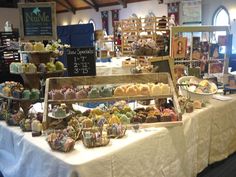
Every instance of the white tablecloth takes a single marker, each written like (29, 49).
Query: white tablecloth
(207, 135)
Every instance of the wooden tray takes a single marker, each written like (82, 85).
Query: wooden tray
(59, 82)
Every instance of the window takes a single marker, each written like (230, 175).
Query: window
(220, 18)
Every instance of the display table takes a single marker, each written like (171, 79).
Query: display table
(207, 135)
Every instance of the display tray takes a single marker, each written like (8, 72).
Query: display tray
(114, 98)
(73, 82)
(18, 99)
(39, 73)
(67, 115)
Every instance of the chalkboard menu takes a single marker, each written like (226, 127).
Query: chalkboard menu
(37, 21)
(163, 65)
(81, 61)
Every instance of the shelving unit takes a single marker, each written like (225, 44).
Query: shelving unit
(57, 83)
(155, 28)
(206, 35)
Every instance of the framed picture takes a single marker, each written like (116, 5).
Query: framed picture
(37, 21)
(179, 47)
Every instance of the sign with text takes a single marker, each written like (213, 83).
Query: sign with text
(81, 61)
(37, 21)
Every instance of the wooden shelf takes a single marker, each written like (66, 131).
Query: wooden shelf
(17, 99)
(114, 98)
(39, 73)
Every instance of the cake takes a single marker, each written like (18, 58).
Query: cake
(59, 112)
(69, 94)
(94, 93)
(56, 95)
(60, 142)
(35, 94)
(81, 94)
(106, 92)
(119, 91)
(26, 94)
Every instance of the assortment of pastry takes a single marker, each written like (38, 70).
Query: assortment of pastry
(149, 89)
(18, 67)
(16, 90)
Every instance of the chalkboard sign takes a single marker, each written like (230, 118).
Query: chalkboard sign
(161, 64)
(37, 21)
(81, 61)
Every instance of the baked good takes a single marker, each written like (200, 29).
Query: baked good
(56, 95)
(114, 120)
(124, 119)
(60, 142)
(156, 89)
(69, 94)
(189, 107)
(59, 111)
(51, 66)
(36, 127)
(137, 119)
(165, 89)
(39, 46)
(26, 94)
(165, 115)
(151, 119)
(197, 104)
(71, 132)
(131, 91)
(119, 91)
(94, 93)
(144, 89)
(31, 68)
(25, 125)
(106, 92)
(35, 94)
(42, 68)
(28, 46)
(14, 119)
(81, 94)
(6, 91)
(59, 65)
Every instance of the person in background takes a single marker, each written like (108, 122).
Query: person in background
(172, 20)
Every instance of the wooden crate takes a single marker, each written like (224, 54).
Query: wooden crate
(59, 82)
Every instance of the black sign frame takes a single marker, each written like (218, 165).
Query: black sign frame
(42, 34)
(81, 61)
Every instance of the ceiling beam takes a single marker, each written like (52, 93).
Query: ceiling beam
(68, 8)
(95, 6)
(123, 3)
(71, 6)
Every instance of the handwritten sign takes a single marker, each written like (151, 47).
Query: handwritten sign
(37, 21)
(81, 61)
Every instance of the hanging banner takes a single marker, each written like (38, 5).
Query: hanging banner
(173, 13)
(115, 15)
(192, 12)
(104, 15)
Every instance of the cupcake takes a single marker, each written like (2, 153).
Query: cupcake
(94, 93)
(119, 91)
(26, 94)
(35, 94)
(106, 92)
(56, 95)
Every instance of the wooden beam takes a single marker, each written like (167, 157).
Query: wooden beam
(123, 3)
(68, 8)
(95, 6)
(71, 6)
